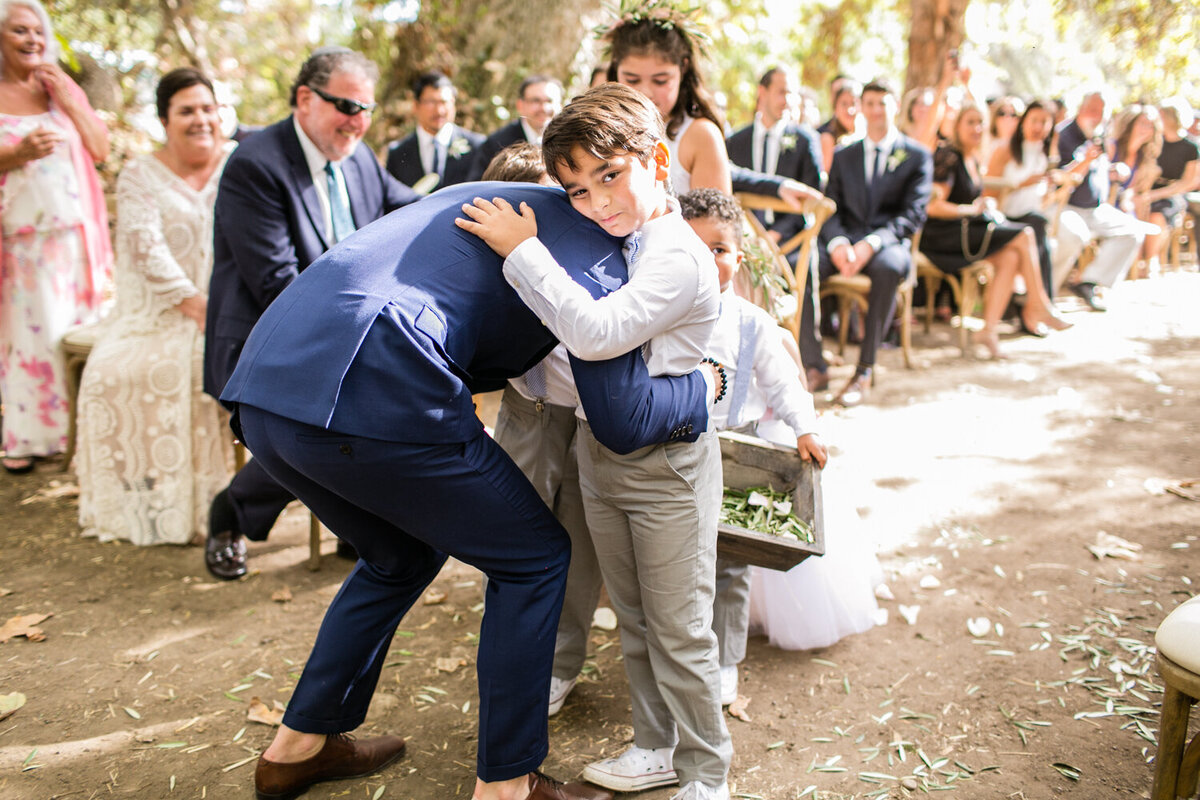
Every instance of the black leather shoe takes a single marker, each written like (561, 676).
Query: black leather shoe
(1087, 293)
(224, 550)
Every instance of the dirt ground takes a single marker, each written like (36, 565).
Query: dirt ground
(982, 481)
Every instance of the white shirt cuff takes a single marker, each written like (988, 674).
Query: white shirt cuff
(835, 243)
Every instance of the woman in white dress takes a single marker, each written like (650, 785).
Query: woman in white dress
(153, 448)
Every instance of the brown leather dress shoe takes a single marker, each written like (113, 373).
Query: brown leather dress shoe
(855, 392)
(341, 757)
(546, 788)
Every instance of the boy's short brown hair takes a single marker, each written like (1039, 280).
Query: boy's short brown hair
(517, 162)
(604, 121)
(713, 204)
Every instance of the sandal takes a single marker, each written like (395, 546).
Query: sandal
(18, 466)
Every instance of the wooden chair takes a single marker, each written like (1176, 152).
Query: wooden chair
(853, 292)
(1177, 764)
(966, 286)
(1181, 243)
(818, 209)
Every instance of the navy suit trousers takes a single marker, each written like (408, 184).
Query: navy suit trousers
(886, 269)
(406, 507)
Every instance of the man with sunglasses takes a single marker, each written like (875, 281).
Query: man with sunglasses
(288, 194)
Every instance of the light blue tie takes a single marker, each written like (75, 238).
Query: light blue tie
(339, 208)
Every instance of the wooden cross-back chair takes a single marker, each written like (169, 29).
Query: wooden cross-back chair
(818, 209)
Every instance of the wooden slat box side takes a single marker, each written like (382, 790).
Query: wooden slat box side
(748, 462)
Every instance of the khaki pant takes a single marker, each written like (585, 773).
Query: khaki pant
(653, 517)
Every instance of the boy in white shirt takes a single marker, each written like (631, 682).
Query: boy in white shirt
(653, 512)
(762, 377)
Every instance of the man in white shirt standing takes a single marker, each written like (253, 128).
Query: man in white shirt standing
(437, 146)
(539, 99)
(881, 184)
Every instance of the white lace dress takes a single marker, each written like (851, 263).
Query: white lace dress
(153, 449)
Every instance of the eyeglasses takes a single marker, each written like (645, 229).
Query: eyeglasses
(344, 104)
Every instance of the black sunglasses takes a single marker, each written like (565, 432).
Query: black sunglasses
(344, 104)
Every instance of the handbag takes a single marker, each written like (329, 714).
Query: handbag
(965, 224)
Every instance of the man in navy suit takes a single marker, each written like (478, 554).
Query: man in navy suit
(286, 196)
(881, 184)
(355, 392)
(777, 145)
(437, 146)
(538, 100)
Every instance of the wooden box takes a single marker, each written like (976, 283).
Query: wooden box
(751, 462)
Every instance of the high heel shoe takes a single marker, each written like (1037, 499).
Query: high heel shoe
(1055, 322)
(1038, 329)
(991, 340)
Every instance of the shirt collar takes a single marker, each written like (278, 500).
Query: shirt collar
(885, 144)
(530, 135)
(315, 158)
(444, 135)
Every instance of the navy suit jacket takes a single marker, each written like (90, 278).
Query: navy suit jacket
(268, 227)
(894, 209)
(801, 162)
(389, 333)
(404, 158)
(500, 139)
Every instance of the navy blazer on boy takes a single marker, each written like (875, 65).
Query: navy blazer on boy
(268, 227)
(799, 159)
(354, 390)
(404, 158)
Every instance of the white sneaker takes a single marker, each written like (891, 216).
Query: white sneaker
(695, 790)
(636, 769)
(729, 682)
(559, 689)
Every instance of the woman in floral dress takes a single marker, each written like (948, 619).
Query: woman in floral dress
(55, 262)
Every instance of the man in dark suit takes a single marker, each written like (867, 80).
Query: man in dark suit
(286, 196)
(437, 146)
(881, 185)
(355, 392)
(538, 100)
(777, 145)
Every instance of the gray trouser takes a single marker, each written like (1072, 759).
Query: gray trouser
(731, 611)
(542, 443)
(653, 516)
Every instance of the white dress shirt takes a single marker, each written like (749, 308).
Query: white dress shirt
(775, 376)
(870, 146)
(531, 136)
(425, 144)
(669, 303)
(316, 167)
(773, 136)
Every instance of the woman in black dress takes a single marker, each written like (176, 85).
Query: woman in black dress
(964, 227)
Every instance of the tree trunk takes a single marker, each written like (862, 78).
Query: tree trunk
(937, 28)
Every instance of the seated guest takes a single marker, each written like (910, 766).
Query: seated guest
(1179, 173)
(539, 99)
(153, 448)
(1005, 112)
(881, 186)
(437, 146)
(1138, 141)
(962, 228)
(843, 126)
(1081, 151)
(1023, 166)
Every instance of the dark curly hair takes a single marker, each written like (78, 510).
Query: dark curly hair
(713, 204)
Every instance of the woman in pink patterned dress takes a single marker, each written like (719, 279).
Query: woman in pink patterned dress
(55, 256)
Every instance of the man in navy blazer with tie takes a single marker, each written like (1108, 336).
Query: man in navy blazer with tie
(275, 214)
(881, 185)
(354, 391)
(437, 146)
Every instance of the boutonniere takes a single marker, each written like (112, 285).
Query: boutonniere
(459, 148)
(787, 143)
(897, 158)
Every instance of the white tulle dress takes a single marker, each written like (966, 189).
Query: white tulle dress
(820, 600)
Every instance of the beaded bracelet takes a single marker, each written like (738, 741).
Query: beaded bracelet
(720, 371)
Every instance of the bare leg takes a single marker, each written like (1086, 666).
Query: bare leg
(290, 746)
(1038, 308)
(1154, 244)
(995, 300)
(512, 789)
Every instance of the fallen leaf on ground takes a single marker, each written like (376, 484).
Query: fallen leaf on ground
(605, 619)
(738, 708)
(267, 716)
(449, 664)
(979, 626)
(52, 492)
(10, 703)
(434, 597)
(23, 626)
(909, 613)
(884, 592)
(1186, 489)
(930, 582)
(284, 595)
(5, 592)
(1114, 547)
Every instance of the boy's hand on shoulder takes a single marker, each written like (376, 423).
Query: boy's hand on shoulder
(498, 223)
(811, 448)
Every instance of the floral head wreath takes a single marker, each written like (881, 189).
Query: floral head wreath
(663, 14)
